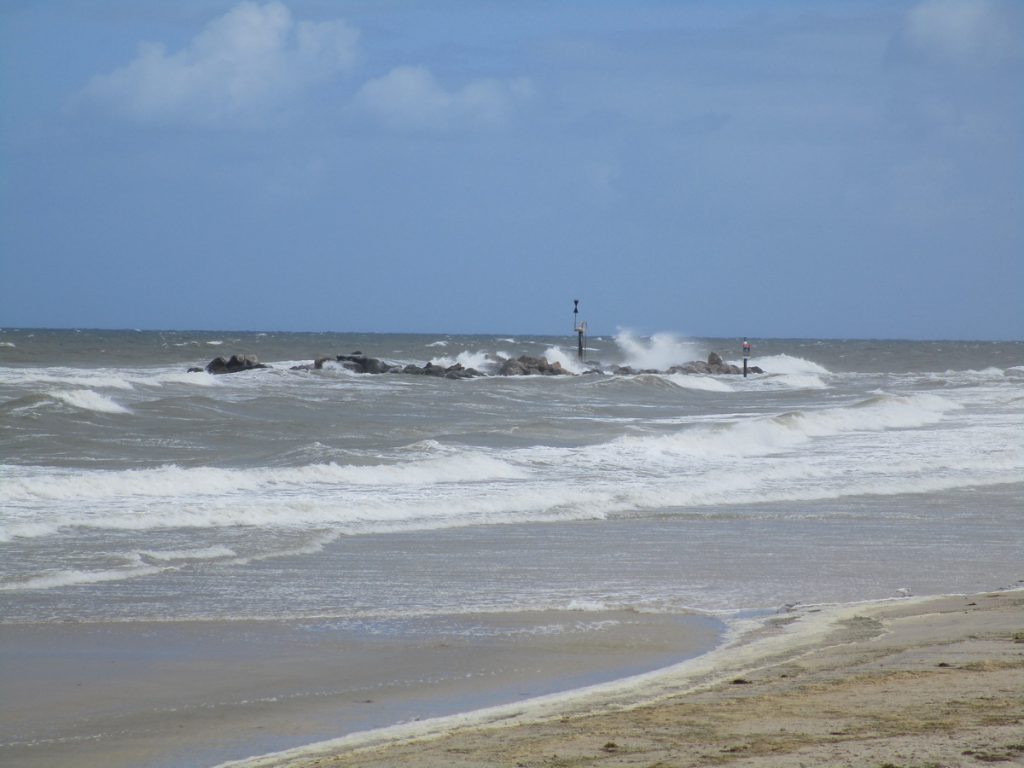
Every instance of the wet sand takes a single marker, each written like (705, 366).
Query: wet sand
(172, 694)
(904, 683)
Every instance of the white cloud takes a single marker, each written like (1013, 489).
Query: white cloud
(252, 58)
(411, 98)
(979, 31)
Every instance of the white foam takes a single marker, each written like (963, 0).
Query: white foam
(172, 481)
(118, 379)
(88, 400)
(70, 578)
(660, 352)
(27, 530)
(797, 381)
(203, 553)
(589, 606)
(883, 444)
(198, 379)
(766, 435)
(480, 360)
(786, 364)
(569, 361)
(65, 377)
(702, 383)
(439, 343)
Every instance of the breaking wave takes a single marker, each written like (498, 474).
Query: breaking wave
(87, 400)
(485, 362)
(789, 365)
(72, 577)
(430, 486)
(660, 352)
(702, 383)
(170, 481)
(765, 435)
(216, 552)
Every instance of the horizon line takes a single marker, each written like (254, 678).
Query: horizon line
(934, 339)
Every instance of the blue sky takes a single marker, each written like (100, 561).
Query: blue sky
(808, 169)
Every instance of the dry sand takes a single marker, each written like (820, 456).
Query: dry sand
(909, 683)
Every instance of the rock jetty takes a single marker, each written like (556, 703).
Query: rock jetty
(523, 365)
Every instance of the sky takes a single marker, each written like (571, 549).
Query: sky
(812, 168)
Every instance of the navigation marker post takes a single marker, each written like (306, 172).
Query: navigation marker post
(746, 355)
(578, 327)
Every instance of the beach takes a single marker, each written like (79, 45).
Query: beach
(914, 682)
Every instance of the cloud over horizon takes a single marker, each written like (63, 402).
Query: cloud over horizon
(646, 156)
(250, 59)
(256, 58)
(411, 98)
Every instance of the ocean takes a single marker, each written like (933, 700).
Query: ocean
(408, 512)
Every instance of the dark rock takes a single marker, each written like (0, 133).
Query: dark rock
(459, 371)
(434, 370)
(316, 365)
(754, 369)
(512, 368)
(362, 364)
(193, 369)
(714, 359)
(694, 367)
(234, 364)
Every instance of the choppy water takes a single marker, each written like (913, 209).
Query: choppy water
(132, 489)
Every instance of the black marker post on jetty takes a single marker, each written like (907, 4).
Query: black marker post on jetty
(578, 327)
(746, 355)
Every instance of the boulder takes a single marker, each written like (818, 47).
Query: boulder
(361, 364)
(512, 368)
(459, 371)
(714, 359)
(435, 370)
(694, 367)
(532, 366)
(234, 364)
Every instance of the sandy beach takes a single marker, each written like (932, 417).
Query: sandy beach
(912, 682)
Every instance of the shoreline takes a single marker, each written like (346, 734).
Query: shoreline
(939, 677)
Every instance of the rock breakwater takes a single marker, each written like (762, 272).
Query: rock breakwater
(523, 365)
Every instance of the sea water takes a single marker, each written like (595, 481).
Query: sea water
(132, 490)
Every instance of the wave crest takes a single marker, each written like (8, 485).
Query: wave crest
(660, 352)
(88, 400)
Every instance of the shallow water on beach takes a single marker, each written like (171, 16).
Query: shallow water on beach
(133, 491)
